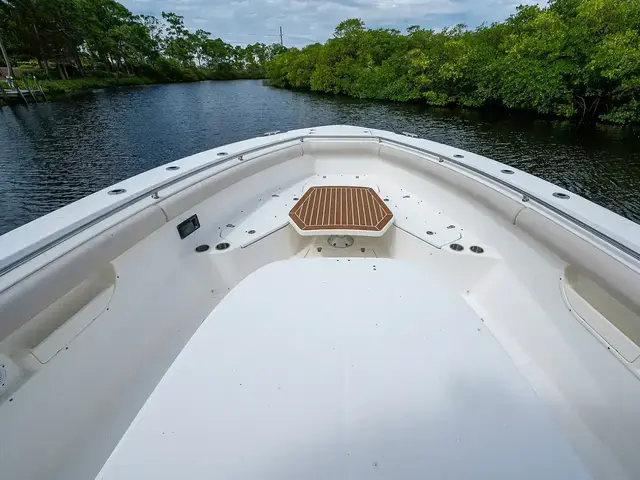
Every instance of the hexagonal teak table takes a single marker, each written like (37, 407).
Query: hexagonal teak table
(341, 210)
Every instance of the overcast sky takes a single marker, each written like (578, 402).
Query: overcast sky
(309, 21)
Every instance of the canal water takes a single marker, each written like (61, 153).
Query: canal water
(53, 154)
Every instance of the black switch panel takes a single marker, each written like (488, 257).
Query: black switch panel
(189, 226)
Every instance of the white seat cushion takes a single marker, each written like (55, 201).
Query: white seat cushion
(342, 369)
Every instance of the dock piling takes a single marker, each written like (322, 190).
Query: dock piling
(15, 92)
(4, 94)
(24, 80)
(40, 88)
(17, 87)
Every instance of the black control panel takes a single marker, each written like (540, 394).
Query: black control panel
(189, 226)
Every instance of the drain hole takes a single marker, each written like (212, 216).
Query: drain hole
(251, 232)
(319, 249)
(296, 198)
(451, 226)
(386, 199)
(456, 247)
(457, 155)
(407, 196)
(173, 167)
(507, 171)
(202, 248)
(221, 153)
(563, 196)
(429, 232)
(222, 246)
(116, 191)
(230, 225)
(275, 195)
(476, 249)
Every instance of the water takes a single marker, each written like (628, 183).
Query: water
(53, 154)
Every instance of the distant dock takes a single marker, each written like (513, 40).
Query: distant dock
(29, 91)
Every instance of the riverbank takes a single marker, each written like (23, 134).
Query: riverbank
(75, 46)
(574, 59)
(56, 89)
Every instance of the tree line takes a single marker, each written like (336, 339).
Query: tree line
(73, 38)
(573, 58)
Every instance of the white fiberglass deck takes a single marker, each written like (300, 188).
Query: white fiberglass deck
(98, 299)
(343, 368)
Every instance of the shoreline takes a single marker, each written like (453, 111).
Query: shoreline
(484, 109)
(59, 89)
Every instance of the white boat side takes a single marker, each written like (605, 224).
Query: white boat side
(98, 298)
(41, 234)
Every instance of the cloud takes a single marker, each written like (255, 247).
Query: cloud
(308, 21)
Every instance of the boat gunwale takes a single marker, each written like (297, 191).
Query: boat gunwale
(377, 137)
(532, 197)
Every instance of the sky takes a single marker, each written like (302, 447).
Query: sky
(307, 21)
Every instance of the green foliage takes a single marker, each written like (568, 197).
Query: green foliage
(170, 70)
(105, 38)
(574, 59)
